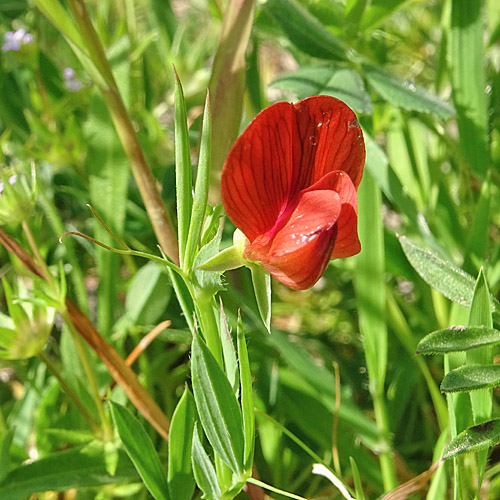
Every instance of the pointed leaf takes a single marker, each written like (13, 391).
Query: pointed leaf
(405, 94)
(261, 281)
(217, 406)
(201, 190)
(358, 485)
(475, 438)
(443, 275)
(247, 404)
(180, 473)
(183, 174)
(458, 338)
(480, 315)
(471, 378)
(141, 451)
(228, 351)
(204, 470)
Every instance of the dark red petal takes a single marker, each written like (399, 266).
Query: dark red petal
(347, 243)
(328, 137)
(256, 177)
(299, 252)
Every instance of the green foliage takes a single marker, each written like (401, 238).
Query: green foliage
(141, 451)
(78, 467)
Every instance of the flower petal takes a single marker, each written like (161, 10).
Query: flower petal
(299, 251)
(328, 137)
(256, 177)
(347, 243)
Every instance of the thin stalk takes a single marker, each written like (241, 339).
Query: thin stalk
(69, 392)
(206, 312)
(274, 490)
(39, 259)
(157, 213)
(386, 456)
(76, 274)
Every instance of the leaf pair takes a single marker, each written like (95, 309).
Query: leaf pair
(478, 374)
(228, 424)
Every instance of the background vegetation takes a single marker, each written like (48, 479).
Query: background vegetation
(339, 369)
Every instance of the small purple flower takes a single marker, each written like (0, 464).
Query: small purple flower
(70, 82)
(12, 181)
(14, 39)
(69, 73)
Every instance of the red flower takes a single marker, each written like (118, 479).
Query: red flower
(289, 183)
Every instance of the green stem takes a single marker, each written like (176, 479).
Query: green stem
(386, 456)
(206, 311)
(130, 142)
(274, 490)
(70, 393)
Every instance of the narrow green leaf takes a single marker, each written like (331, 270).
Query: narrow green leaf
(5, 442)
(481, 401)
(201, 190)
(228, 351)
(180, 473)
(306, 31)
(262, 287)
(377, 164)
(7, 337)
(370, 282)
(479, 437)
(58, 16)
(471, 378)
(141, 451)
(203, 469)
(148, 295)
(478, 238)
(16, 311)
(358, 485)
(75, 468)
(457, 339)
(183, 174)
(378, 11)
(467, 76)
(480, 315)
(217, 406)
(247, 404)
(443, 275)
(405, 94)
(342, 83)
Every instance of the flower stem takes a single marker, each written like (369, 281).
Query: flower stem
(69, 391)
(206, 312)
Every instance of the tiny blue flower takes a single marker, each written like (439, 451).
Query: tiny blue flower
(14, 39)
(70, 82)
